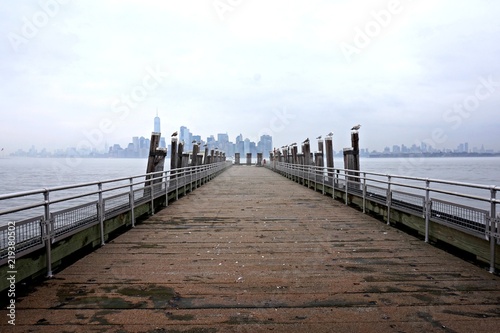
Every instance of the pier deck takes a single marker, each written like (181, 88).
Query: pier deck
(254, 252)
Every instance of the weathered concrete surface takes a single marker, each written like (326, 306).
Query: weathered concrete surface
(254, 252)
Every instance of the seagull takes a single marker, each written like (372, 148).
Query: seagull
(174, 134)
(330, 134)
(355, 128)
(319, 137)
(306, 140)
(294, 144)
(194, 141)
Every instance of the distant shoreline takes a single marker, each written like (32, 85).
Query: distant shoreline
(431, 155)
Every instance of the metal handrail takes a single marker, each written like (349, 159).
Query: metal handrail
(458, 216)
(160, 183)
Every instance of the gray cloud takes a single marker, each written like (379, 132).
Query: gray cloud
(233, 75)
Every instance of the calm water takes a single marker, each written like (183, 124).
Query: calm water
(21, 174)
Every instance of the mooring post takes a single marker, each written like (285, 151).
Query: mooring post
(249, 158)
(329, 159)
(180, 151)
(205, 155)
(294, 154)
(173, 157)
(156, 161)
(237, 158)
(194, 158)
(355, 151)
(259, 159)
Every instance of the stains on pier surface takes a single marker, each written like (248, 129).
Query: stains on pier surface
(254, 252)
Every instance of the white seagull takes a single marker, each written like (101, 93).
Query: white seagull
(355, 128)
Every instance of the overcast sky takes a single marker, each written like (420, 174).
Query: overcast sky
(82, 73)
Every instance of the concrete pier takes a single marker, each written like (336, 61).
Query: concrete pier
(252, 251)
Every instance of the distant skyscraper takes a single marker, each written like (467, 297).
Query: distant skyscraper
(157, 128)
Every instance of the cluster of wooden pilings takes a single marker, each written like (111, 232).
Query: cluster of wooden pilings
(181, 159)
(290, 154)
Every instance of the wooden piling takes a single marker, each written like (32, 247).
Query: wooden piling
(180, 151)
(329, 156)
(173, 157)
(307, 152)
(249, 158)
(237, 158)
(205, 156)
(194, 158)
(259, 159)
(156, 161)
(351, 160)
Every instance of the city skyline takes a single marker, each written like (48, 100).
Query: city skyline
(96, 72)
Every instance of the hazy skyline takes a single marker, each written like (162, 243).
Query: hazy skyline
(82, 73)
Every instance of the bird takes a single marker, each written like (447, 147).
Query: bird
(194, 141)
(356, 127)
(330, 134)
(293, 144)
(306, 140)
(319, 137)
(174, 134)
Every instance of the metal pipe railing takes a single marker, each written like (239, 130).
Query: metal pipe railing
(484, 222)
(153, 185)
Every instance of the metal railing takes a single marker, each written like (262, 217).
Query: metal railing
(36, 219)
(470, 208)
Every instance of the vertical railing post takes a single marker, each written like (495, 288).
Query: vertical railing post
(100, 213)
(364, 192)
(428, 207)
(152, 197)
(49, 228)
(346, 179)
(167, 181)
(493, 231)
(389, 199)
(132, 202)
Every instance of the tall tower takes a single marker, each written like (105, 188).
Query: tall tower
(157, 123)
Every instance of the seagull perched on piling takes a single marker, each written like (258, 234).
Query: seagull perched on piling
(318, 138)
(306, 140)
(330, 134)
(356, 127)
(174, 134)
